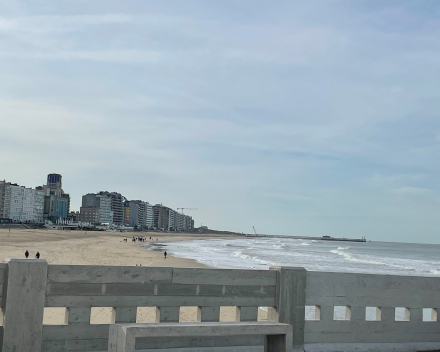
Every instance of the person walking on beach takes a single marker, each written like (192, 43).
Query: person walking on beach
(26, 254)
(165, 255)
(37, 255)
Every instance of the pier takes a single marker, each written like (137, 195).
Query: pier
(323, 238)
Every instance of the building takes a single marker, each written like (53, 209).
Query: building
(127, 212)
(171, 218)
(138, 213)
(73, 216)
(180, 222)
(18, 203)
(134, 218)
(90, 215)
(167, 219)
(97, 207)
(56, 202)
(161, 217)
(149, 216)
(117, 206)
(184, 223)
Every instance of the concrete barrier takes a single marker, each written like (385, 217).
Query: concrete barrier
(371, 321)
(79, 288)
(27, 286)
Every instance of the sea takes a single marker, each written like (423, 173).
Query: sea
(315, 255)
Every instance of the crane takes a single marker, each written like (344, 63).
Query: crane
(187, 209)
(254, 230)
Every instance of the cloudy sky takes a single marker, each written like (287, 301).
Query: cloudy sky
(296, 117)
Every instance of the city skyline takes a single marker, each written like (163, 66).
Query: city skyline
(302, 118)
(49, 204)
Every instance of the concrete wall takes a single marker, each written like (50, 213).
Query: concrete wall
(79, 288)
(2, 298)
(382, 293)
(288, 292)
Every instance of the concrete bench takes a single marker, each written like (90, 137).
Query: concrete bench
(278, 337)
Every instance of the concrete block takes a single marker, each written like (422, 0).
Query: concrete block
(169, 314)
(24, 305)
(210, 314)
(291, 300)
(201, 276)
(123, 336)
(248, 313)
(125, 315)
(78, 315)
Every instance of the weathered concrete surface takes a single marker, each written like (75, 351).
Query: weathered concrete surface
(290, 301)
(24, 305)
(122, 337)
(372, 347)
(78, 288)
(209, 349)
(364, 290)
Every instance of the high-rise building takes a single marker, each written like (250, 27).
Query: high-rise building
(97, 207)
(171, 217)
(184, 222)
(127, 212)
(139, 213)
(134, 216)
(117, 205)
(149, 216)
(56, 202)
(19, 203)
(163, 217)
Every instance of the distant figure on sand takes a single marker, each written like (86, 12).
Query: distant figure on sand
(37, 255)
(26, 254)
(165, 255)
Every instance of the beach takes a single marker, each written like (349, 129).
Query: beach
(102, 248)
(93, 247)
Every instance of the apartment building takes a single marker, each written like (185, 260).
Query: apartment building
(102, 205)
(139, 213)
(19, 203)
(117, 206)
(149, 216)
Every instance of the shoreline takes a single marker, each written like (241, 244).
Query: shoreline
(103, 248)
(95, 247)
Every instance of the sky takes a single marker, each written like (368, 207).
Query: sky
(304, 118)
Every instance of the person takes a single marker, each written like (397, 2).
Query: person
(37, 255)
(26, 254)
(165, 255)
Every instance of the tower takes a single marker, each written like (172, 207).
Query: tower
(56, 202)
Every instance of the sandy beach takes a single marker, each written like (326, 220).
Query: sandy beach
(101, 248)
(92, 247)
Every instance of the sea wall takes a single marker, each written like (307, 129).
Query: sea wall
(351, 311)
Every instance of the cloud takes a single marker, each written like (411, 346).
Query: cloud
(416, 191)
(116, 56)
(58, 23)
(321, 115)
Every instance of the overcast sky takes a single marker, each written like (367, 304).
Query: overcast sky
(296, 117)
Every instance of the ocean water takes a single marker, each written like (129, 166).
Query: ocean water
(261, 253)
